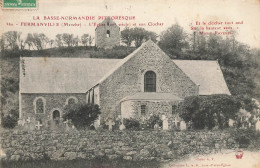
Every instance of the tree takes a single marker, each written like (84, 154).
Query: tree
(84, 39)
(40, 41)
(29, 40)
(90, 40)
(137, 35)
(58, 40)
(209, 111)
(140, 35)
(67, 39)
(82, 115)
(174, 40)
(9, 120)
(127, 36)
(75, 41)
(12, 39)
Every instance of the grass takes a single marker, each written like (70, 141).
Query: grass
(80, 164)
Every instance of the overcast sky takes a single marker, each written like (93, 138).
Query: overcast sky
(183, 12)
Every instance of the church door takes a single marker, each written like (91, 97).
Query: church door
(56, 116)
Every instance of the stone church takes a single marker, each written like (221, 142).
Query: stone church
(145, 82)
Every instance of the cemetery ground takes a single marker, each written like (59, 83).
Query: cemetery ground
(247, 141)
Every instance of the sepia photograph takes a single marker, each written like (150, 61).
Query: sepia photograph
(130, 84)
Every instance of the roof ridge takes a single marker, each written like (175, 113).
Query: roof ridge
(122, 62)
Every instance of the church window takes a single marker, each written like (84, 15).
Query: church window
(71, 100)
(39, 105)
(107, 23)
(108, 33)
(143, 109)
(150, 81)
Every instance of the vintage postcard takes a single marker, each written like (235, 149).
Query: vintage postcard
(130, 84)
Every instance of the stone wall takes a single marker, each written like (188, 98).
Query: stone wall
(128, 79)
(132, 109)
(102, 41)
(128, 145)
(53, 102)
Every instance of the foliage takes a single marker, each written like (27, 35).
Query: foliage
(82, 115)
(154, 119)
(209, 111)
(11, 39)
(137, 35)
(9, 120)
(173, 41)
(131, 124)
(245, 137)
(84, 39)
(67, 39)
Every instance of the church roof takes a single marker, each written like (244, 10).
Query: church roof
(207, 74)
(153, 96)
(78, 75)
(62, 75)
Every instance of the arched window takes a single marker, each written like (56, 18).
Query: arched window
(71, 100)
(108, 33)
(39, 105)
(150, 81)
(107, 23)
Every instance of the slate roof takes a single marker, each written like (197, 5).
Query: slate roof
(78, 75)
(152, 96)
(62, 75)
(207, 74)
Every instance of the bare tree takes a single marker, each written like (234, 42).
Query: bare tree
(29, 40)
(12, 39)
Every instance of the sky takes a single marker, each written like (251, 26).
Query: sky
(165, 12)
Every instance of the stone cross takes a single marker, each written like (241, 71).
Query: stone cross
(110, 123)
(175, 121)
(38, 125)
(183, 125)
(165, 122)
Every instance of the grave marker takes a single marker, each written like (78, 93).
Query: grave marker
(38, 125)
(165, 122)
(110, 124)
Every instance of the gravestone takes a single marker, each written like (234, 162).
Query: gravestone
(122, 126)
(182, 125)
(165, 122)
(21, 122)
(156, 126)
(230, 123)
(110, 124)
(32, 123)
